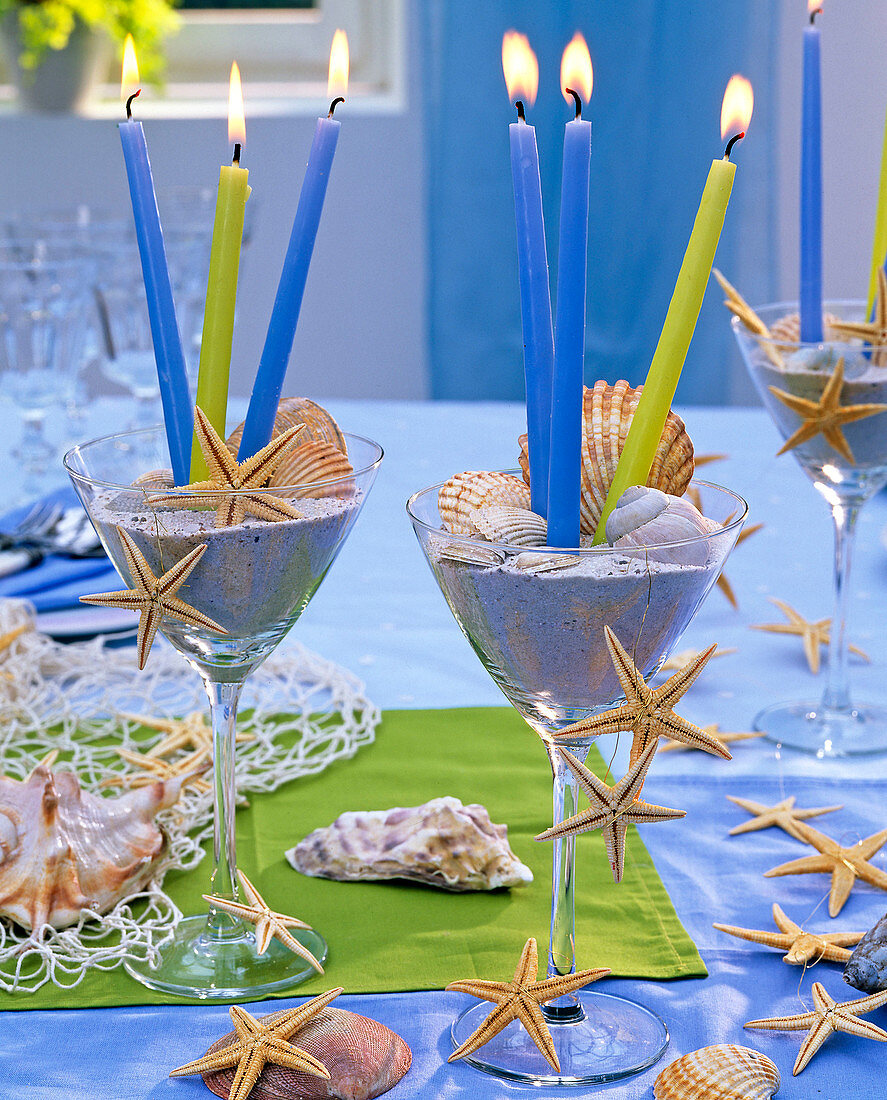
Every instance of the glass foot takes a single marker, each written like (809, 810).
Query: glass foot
(198, 963)
(613, 1038)
(826, 733)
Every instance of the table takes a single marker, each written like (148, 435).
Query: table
(380, 613)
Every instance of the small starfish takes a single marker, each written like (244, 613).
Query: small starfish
(611, 809)
(6, 640)
(269, 924)
(705, 460)
(715, 731)
(153, 597)
(815, 634)
(261, 1041)
(722, 582)
(827, 1016)
(647, 712)
(825, 416)
(519, 999)
(783, 815)
(845, 865)
(192, 766)
(740, 308)
(873, 332)
(226, 473)
(191, 732)
(801, 947)
(677, 660)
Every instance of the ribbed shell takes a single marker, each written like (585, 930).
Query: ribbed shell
(364, 1059)
(533, 563)
(606, 417)
(513, 526)
(464, 493)
(154, 479)
(723, 1072)
(787, 330)
(319, 425)
(315, 460)
(471, 553)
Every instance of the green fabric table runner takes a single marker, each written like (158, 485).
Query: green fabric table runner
(387, 937)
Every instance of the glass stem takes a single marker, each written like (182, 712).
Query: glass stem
(562, 939)
(837, 692)
(223, 699)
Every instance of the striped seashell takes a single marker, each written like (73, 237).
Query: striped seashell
(315, 461)
(471, 553)
(464, 493)
(363, 1057)
(320, 427)
(606, 417)
(723, 1072)
(786, 332)
(513, 526)
(154, 479)
(543, 563)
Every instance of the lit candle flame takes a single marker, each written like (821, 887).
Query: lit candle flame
(739, 100)
(236, 121)
(520, 67)
(129, 74)
(337, 85)
(814, 7)
(576, 72)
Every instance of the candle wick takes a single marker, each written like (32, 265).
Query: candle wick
(575, 96)
(813, 15)
(521, 117)
(136, 93)
(339, 99)
(731, 143)
(235, 160)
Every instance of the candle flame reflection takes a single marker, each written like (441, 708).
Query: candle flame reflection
(236, 121)
(576, 72)
(520, 67)
(129, 73)
(736, 110)
(337, 84)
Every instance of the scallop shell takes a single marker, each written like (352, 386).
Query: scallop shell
(316, 460)
(606, 417)
(471, 553)
(364, 1059)
(154, 479)
(63, 849)
(513, 526)
(320, 427)
(543, 563)
(645, 520)
(464, 493)
(723, 1072)
(786, 332)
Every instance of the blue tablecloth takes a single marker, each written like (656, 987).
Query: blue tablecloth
(380, 613)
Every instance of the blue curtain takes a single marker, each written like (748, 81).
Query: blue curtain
(660, 69)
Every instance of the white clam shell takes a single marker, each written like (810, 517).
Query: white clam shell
(513, 526)
(722, 1072)
(471, 553)
(534, 564)
(644, 526)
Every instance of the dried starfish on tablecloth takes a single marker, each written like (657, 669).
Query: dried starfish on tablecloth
(193, 732)
(814, 633)
(154, 769)
(845, 865)
(7, 638)
(611, 809)
(258, 1042)
(740, 308)
(783, 815)
(827, 1016)
(715, 731)
(153, 597)
(677, 660)
(269, 924)
(705, 460)
(872, 332)
(647, 712)
(801, 947)
(228, 478)
(825, 417)
(519, 999)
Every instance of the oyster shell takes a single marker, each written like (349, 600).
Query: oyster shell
(866, 968)
(723, 1072)
(466, 492)
(644, 519)
(364, 1059)
(441, 843)
(63, 849)
(606, 417)
(320, 427)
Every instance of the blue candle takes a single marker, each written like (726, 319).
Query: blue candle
(168, 353)
(268, 385)
(565, 453)
(811, 188)
(522, 78)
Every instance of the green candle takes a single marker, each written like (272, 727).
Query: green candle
(879, 246)
(221, 288)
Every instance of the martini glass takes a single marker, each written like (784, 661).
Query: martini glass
(254, 579)
(832, 726)
(536, 620)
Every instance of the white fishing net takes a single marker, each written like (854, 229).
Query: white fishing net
(301, 711)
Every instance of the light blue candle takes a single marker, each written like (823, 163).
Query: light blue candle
(811, 190)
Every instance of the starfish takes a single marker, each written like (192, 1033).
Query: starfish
(611, 809)
(191, 732)
(153, 769)
(715, 731)
(261, 1041)
(226, 474)
(825, 416)
(740, 308)
(153, 597)
(722, 582)
(705, 460)
(845, 865)
(872, 332)
(269, 924)
(801, 947)
(827, 1016)
(783, 815)
(814, 634)
(647, 712)
(519, 999)
(6, 640)
(677, 660)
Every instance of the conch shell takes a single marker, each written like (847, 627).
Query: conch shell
(63, 849)
(441, 843)
(723, 1072)
(648, 520)
(460, 497)
(606, 417)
